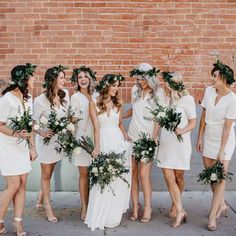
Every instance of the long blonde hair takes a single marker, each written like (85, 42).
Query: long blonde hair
(175, 96)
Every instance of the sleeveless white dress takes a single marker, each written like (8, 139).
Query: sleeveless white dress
(105, 210)
(14, 156)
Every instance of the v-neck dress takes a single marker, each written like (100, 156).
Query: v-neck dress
(105, 209)
(80, 105)
(215, 119)
(42, 107)
(14, 155)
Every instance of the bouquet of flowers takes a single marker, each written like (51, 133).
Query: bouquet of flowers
(167, 118)
(22, 122)
(214, 174)
(106, 167)
(144, 149)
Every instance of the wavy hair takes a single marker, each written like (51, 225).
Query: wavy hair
(92, 84)
(176, 95)
(50, 94)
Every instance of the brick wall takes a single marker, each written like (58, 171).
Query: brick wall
(116, 35)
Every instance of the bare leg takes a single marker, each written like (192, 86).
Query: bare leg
(135, 190)
(13, 184)
(145, 170)
(46, 174)
(39, 202)
(19, 204)
(83, 189)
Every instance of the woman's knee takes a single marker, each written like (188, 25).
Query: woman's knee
(46, 176)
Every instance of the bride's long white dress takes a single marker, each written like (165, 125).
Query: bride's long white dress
(105, 209)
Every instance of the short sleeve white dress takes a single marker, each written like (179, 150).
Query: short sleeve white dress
(42, 107)
(173, 154)
(138, 122)
(215, 118)
(14, 156)
(80, 104)
(105, 209)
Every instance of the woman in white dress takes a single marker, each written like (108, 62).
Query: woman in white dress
(56, 99)
(217, 124)
(15, 154)
(85, 80)
(173, 155)
(142, 94)
(105, 209)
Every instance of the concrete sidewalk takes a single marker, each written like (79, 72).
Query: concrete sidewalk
(67, 204)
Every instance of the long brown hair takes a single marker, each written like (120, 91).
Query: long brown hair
(50, 94)
(103, 96)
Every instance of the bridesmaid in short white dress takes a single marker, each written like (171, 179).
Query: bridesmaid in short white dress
(217, 126)
(85, 79)
(105, 209)
(15, 154)
(174, 156)
(55, 98)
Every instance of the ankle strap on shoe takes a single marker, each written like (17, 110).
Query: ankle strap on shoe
(17, 219)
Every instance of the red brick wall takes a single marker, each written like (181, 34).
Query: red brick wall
(116, 35)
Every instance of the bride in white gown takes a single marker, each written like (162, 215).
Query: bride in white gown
(105, 209)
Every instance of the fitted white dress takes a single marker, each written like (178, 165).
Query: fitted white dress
(42, 107)
(215, 118)
(14, 156)
(105, 210)
(138, 122)
(80, 104)
(173, 154)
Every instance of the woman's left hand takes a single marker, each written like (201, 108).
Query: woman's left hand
(179, 131)
(33, 154)
(127, 138)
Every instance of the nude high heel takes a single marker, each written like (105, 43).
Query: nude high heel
(18, 229)
(147, 218)
(52, 219)
(3, 230)
(134, 217)
(181, 217)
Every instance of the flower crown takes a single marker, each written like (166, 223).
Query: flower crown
(76, 71)
(177, 86)
(136, 72)
(108, 80)
(21, 75)
(55, 73)
(225, 71)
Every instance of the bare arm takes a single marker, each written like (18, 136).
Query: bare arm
(191, 125)
(121, 126)
(96, 127)
(156, 131)
(224, 137)
(201, 131)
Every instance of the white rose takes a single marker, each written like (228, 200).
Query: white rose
(161, 114)
(64, 131)
(150, 149)
(71, 144)
(36, 127)
(119, 161)
(77, 150)
(30, 123)
(43, 120)
(95, 170)
(213, 177)
(108, 160)
(56, 123)
(70, 127)
(101, 168)
(147, 152)
(143, 153)
(109, 167)
(62, 124)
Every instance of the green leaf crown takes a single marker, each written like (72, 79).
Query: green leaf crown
(55, 73)
(76, 71)
(21, 75)
(136, 72)
(177, 86)
(225, 71)
(108, 80)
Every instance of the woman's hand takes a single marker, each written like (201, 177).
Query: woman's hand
(95, 152)
(199, 146)
(127, 138)
(221, 156)
(22, 134)
(47, 133)
(179, 131)
(33, 154)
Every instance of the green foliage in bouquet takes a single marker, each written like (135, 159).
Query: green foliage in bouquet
(144, 149)
(22, 122)
(166, 117)
(105, 168)
(214, 174)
